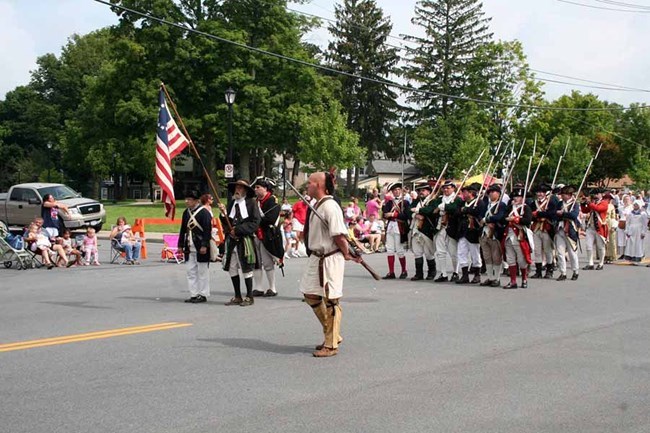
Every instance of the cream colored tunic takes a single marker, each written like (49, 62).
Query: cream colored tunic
(321, 242)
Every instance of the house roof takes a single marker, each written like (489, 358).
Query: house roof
(387, 166)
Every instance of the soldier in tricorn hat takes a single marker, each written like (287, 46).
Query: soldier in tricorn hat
(394, 210)
(268, 239)
(469, 232)
(596, 231)
(544, 207)
(566, 232)
(422, 232)
(243, 215)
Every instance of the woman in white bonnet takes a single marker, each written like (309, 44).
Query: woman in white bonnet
(636, 227)
(624, 209)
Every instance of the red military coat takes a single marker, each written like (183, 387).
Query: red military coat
(597, 214)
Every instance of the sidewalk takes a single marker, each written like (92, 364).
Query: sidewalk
(150, 236)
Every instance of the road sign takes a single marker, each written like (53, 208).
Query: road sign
(229, 170)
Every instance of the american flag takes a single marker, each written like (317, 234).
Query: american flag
(169, 143)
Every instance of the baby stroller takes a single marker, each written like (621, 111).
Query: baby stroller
(13, 252)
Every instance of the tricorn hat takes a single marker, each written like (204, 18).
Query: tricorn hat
(568, 190)
(449, 182)
(475, 187)
(517, 192)
(264, 182)
(192, 193)
(542, 187)
(250, 192)
(392, 186)
(424, 185)
(494, 187)
(597, 190)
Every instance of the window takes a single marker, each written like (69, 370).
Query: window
(23, 194)
(60, 192)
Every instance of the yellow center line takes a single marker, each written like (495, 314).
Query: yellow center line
(90, 336)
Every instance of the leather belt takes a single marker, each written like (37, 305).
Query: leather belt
(321, 264)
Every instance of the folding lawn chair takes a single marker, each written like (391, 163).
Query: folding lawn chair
(118, 254)
(170, 251)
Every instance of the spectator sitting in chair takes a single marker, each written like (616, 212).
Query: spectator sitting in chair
(40, 243)
(69, 246)
(127, 241)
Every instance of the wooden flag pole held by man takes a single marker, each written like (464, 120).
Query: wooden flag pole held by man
(195, 150)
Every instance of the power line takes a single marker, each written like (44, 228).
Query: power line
(618, 89)
(406, 47)
(358, 26)
(588, 81)
(373, 80)
(604, 8)
(623, 4)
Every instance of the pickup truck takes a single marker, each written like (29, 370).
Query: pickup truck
(22, 203)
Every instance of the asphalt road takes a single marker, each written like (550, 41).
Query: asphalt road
(417, 357)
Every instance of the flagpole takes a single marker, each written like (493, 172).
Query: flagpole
(193, 147)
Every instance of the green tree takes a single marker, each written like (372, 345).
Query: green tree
(454, 30)
(326, 142)
(499, 72)
(360, 48)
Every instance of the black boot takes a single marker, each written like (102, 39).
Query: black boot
(549, 272)
(538, 271)
(419, 270)
(465, 278)
(431, 269)
(477, 275)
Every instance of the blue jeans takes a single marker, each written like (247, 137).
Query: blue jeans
(132, 251)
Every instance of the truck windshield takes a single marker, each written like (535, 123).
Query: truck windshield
(60, 192)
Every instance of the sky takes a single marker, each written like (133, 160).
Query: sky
(593, 44)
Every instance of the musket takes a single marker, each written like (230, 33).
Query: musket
(541, 160)
(514, 162)
(584, 178)
(353, 251)
(559, 162)
(430, 197)
(434, 191)
(487, 173)
(467, 173)
(510, 172)
(530, 163)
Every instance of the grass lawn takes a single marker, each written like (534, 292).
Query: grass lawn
(133, 211)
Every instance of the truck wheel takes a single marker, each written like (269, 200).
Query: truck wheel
(98, 227)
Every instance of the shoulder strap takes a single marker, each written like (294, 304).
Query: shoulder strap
(192, 219)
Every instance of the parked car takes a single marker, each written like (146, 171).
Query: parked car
(22, 203)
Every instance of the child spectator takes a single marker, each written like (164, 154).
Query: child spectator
(286, 206)
(350, 213)
(289, 236)
(90, 247)
(69, 246)
(40, 243)
(131, 243)
(375, 231)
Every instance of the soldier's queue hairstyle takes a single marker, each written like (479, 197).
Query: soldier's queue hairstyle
(330, 183)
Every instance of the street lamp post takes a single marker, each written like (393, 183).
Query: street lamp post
(229, 169)
(230, 100)
(114, 178)
(49, 164)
